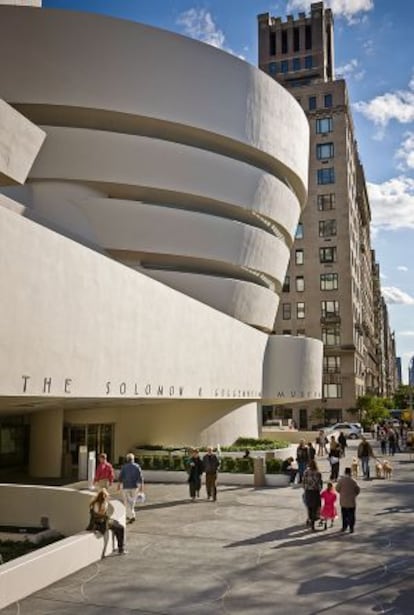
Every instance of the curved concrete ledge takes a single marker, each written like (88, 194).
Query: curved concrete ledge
(67, 510)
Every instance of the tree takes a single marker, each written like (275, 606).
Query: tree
(372, 409)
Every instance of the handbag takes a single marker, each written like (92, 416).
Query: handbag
(334, 460)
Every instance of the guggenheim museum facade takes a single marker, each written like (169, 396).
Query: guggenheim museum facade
(150, 189)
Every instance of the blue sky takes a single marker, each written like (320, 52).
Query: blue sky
(374, 51)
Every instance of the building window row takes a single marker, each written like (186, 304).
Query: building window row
(326, 176)
(282, 42)
(329, 281)
(324, 125)
(285, 66)
(313, 102)
(327, 255)
(287, 312)
(332, 365)
(326, 202)
(324, 151)
(329, 308)
(332, 391)
(327, 228)
(331, 336)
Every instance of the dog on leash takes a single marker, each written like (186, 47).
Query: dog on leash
(379, 470)
(354, 467)
(387, 468)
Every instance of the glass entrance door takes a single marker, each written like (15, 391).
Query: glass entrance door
(97, 437)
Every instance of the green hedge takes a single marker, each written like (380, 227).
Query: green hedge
(234, 465)
(241, 444)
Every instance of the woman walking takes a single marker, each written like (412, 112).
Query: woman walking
(312, 484)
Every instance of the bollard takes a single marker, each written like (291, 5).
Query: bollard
(259, 479)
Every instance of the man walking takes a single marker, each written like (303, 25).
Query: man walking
(364, 453)
(104, 475)
(131, 481)
(211, 465)
(348, 490)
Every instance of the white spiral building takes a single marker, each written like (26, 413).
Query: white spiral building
(181, 162)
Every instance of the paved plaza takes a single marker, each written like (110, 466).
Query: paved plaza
(250, 553)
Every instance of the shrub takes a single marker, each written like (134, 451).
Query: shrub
(255, 444)
(227, 464)
(244, 466)
(273, 466)
(146, 462)
(177, 463)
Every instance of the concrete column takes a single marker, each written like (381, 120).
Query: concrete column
(46, 431)
(259, 478)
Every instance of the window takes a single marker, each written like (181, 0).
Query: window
(272, 43)
(272, 68)
(299, 257)
(308, 37)
(300, 283)
(332, 365)
(331, 336)
(329, 281)
(312, 103)
(329, 308)
(286, 284)
(296, 64)
(323, 125)
(296, 39)
(328, 100)
(324, 151)
(326, 176)
(326, 202)
(327, 255)
(327, 228)
(287, 332)
(308, 62)
(284, 41)
(286, 311)
(284, 66)
(332, 391)
(300, 310)
(299, 231)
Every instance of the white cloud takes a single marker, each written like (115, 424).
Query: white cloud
(398, 105)
(406, 333)
(383, 276)
(199, 24)
(350, 70)
(406, 152)
(402, 268)
(392, 203)
(340, 8)
(392, 294)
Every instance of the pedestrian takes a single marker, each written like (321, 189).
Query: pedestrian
(364, 453)
(302, 457)
(131, 482)
(211, 464)
(334, 459)
(289, 467)
(311, 451)
(342, 441)
(328, 511)
(383, 441)
(312, 484)
(321, 442)
(104, 474)
(100, 521)
(348, 490)
(392, 441)
(195, 470)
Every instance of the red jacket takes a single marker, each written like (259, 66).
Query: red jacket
(104, 470)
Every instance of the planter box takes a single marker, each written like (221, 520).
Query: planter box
(224, 478)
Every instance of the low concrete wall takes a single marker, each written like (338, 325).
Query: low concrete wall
(68, 513)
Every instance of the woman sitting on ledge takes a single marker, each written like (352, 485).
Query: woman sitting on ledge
(100, 521)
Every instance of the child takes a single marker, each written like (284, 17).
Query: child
(328, 497)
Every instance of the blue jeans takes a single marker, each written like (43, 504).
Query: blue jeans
(365, 466)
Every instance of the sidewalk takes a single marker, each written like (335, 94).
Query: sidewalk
(249, 553)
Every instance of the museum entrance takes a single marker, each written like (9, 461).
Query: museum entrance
(96, 436)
